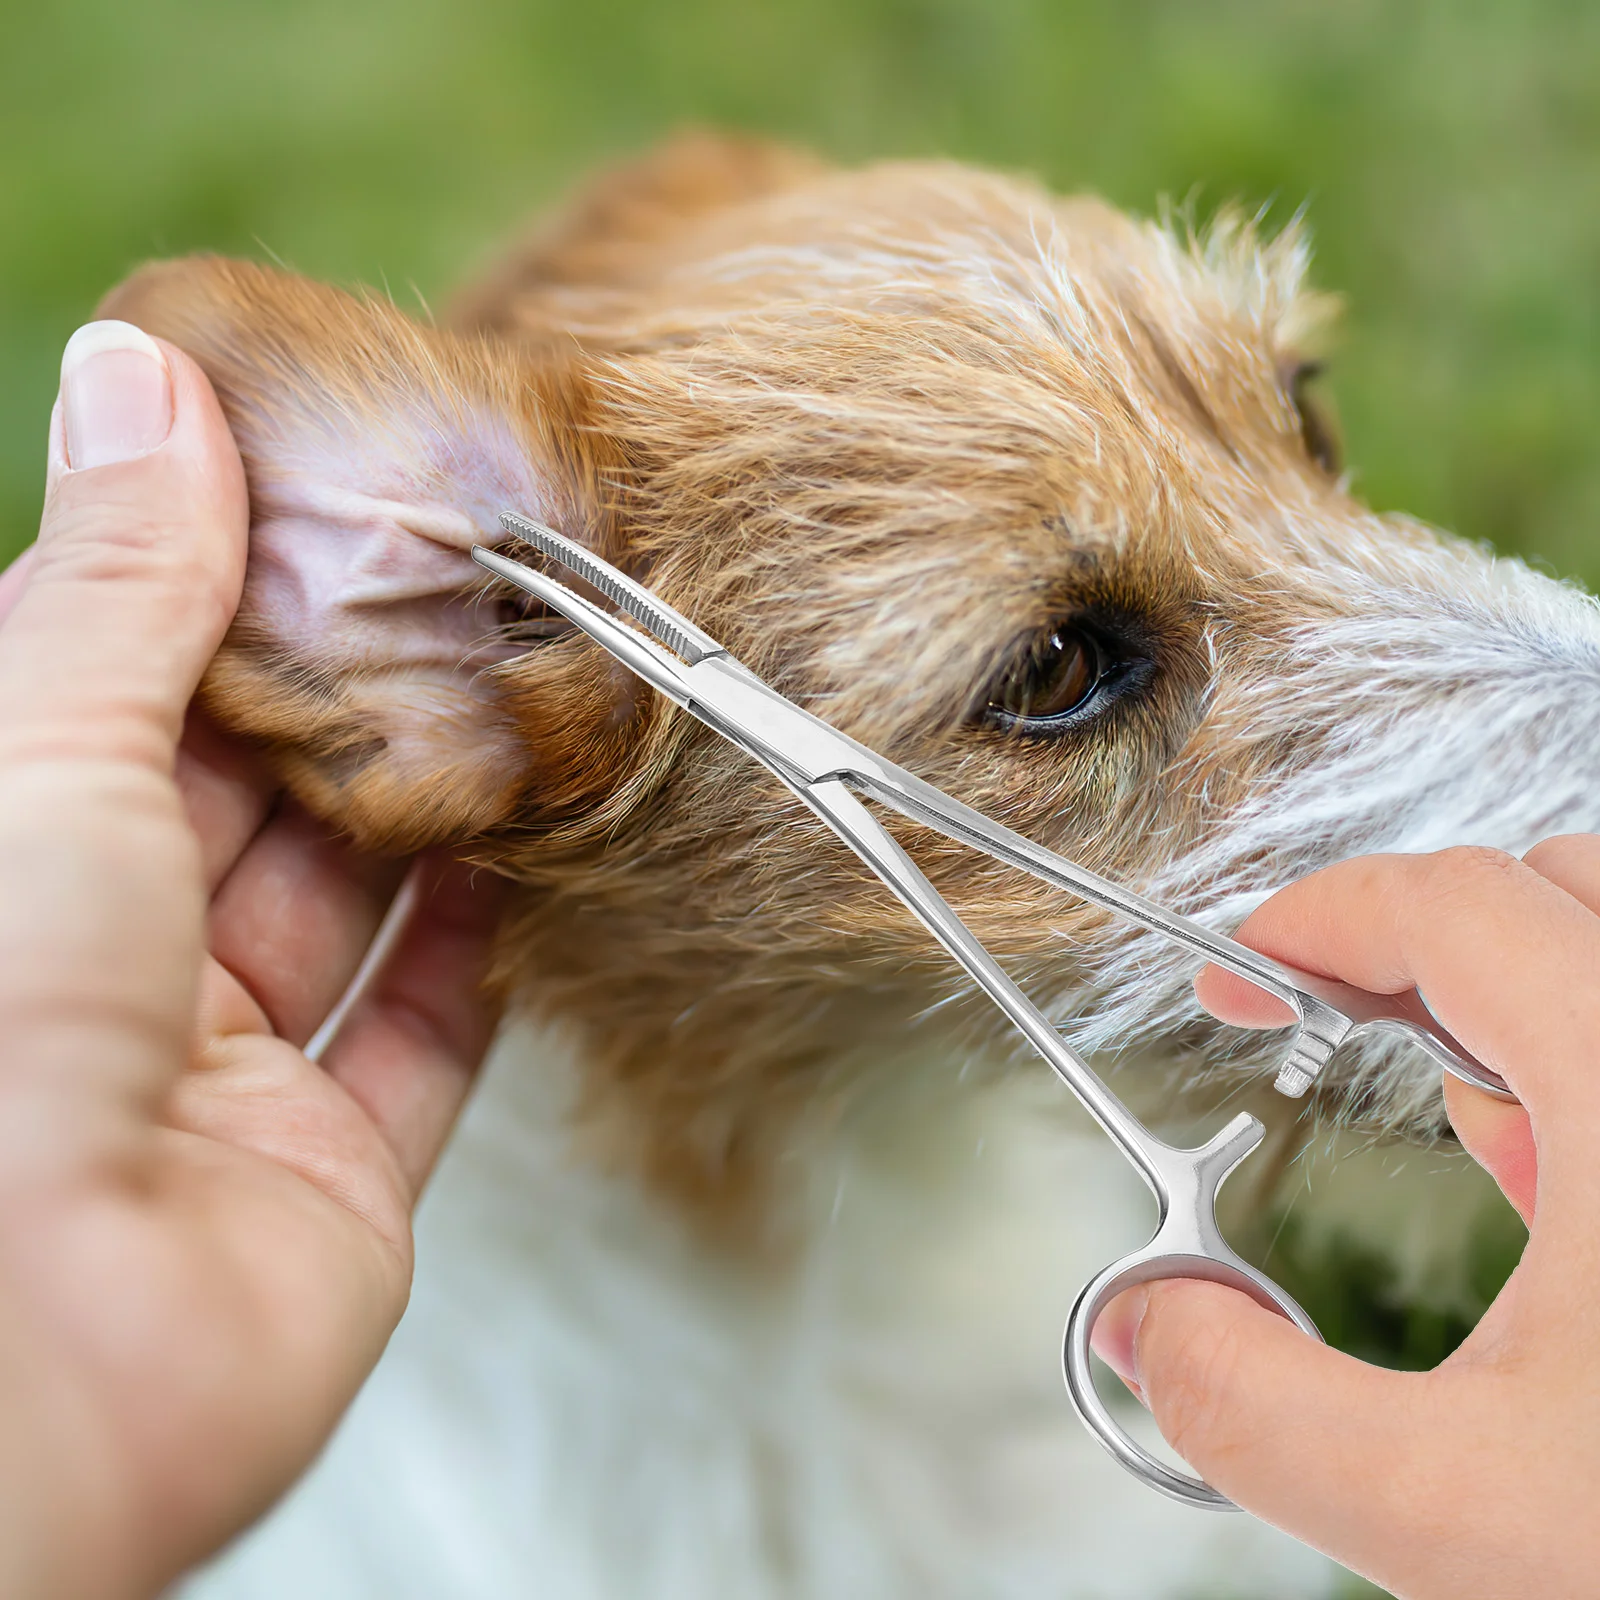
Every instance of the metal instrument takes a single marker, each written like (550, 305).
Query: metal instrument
(833, 774)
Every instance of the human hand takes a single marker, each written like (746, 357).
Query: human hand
(1481, 1477)
(205, 1239)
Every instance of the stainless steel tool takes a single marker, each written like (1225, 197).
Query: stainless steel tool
(832, 774)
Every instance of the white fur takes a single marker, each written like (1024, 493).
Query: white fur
(1457, 715)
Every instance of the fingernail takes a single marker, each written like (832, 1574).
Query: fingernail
(1116, 1333)
(116, 395)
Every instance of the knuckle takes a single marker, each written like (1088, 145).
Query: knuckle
(98, 542)
(110, 543)
(89, 522)
(1466, 869)
(145, 520)
(1477, 859)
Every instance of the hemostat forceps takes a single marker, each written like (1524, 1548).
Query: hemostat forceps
(831, 774)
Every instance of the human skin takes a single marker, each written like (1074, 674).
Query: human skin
(205, 1239)
(1480, 1477)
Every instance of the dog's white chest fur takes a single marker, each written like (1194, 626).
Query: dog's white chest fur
(581, 1405)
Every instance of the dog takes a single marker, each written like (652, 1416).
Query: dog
(744, 1276)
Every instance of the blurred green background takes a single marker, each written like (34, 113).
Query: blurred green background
(1449, 155)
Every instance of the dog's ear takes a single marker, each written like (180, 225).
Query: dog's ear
(378, 451)
(623, 222)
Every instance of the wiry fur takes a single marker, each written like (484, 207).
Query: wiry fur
(878, 430)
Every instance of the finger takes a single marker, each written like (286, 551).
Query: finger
(1230, 998)
(1504, 957)
(15, 578)
(1499, 1137)
(137, 568)
(293, 917)
(412, 1046)
(1298, 1433)
(140, 556)
(13, 581)
(1571, 861)
(1114, 1331)
(227, 791)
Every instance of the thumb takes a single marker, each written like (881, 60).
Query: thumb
(126, 595)
(140, 556)
(13, 581)
(1303, 1436)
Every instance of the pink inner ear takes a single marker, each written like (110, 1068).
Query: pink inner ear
(338, 576)
(360, 567)
(360, 551)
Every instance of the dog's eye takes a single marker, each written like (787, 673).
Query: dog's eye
(1317, 432)
(1053, 684)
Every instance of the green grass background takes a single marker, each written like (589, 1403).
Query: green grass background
(1448, 155)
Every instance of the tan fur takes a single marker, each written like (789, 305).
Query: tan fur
(875, 429)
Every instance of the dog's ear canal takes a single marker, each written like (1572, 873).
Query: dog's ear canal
(378, 451)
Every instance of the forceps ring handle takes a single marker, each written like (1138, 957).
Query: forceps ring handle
(1166, 1256)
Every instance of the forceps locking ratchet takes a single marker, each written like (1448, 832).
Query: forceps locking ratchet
(832, 773)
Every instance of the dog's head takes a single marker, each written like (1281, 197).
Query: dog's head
(1026, 494)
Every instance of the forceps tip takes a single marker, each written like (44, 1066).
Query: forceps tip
(670, 627)
(1293, 1080)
